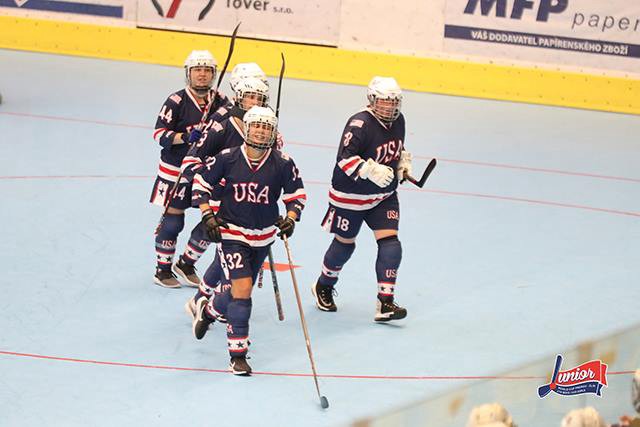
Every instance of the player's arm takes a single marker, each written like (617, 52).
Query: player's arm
(202, 189)
(164, 132)
(204, 149)
(294, 198)
(354, 140)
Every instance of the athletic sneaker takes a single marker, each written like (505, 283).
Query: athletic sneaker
(201, 321)
(239, 366)
(324, 297)
(386, 311)
(166, 279)
(187, 272)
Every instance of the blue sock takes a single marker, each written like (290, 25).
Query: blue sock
(387, 263)
(238, 314)
(219, 301)
(198, 243)
(334, 259)
(211, 278)
(166, 238)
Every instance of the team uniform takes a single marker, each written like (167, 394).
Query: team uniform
(370, 160)
(249, 211)
(180, 114)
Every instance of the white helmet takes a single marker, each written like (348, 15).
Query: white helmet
(252, 86)
(245, 70)
(200, 58)
(583, 417)
(635, 391)
(260, 116)
(490, 414)
(385, 88)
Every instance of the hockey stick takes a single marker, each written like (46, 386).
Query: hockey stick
(276, 288)
(272, 267)
(323, 400)
(425, 174)
(176, 184)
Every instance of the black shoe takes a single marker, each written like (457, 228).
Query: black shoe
(166, 279)
(239, 366)
(187, 272)
(324, 297)
(386, 311)
(201, 322)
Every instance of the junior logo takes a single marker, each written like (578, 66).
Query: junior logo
(589, 377)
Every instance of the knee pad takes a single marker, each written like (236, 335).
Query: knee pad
(390, 252)
(172, 225)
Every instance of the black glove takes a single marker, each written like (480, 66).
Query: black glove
(212, 224)
(286, 226)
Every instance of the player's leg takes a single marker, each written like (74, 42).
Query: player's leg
(167, 233)
(384, 221)
(210, 286)
(197, 245)
(345, 225)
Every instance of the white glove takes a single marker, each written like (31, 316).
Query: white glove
(404, 165)
(380, 175)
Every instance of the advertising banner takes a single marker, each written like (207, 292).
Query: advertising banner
(593, 33)
(315, 22)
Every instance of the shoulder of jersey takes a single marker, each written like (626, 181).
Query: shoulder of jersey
(281, 155)
(177, 97)
(360, 119)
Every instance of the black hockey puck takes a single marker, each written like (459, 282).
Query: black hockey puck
(324, 402)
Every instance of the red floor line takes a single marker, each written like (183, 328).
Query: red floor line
(507, 198)
(289, 374)
(450, 193)
(281, 374)
(329, 147)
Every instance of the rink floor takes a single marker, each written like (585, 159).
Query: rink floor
(523, 243)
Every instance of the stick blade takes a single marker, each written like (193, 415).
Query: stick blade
(324, 402)
(427, 172)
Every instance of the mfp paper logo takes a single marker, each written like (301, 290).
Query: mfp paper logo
(589, 377)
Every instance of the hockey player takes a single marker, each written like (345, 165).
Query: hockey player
(229, 133)
(246, 224)
(244, 70)
(175, 131)
(371, 160)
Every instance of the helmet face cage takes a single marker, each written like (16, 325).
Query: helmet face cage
(251, 92)
(200, 58)
(385, 98)
(387, 109)
(260, 128)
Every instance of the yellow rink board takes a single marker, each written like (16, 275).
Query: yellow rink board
(328, 64)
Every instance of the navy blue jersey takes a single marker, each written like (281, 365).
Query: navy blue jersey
(365, 137)
(221, 135)
(248, 202)
(179, 114)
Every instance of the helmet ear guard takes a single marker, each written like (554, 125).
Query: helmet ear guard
(262, 118)
(387, 90)
(200, 58)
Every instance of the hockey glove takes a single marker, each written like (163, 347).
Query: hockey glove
(194, 136)
(380, 175)
(286, 226)
(212, 224)
(404, 168)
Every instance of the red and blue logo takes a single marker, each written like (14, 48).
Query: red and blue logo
(589, 377)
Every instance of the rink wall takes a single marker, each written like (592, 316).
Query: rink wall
(312, 54)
